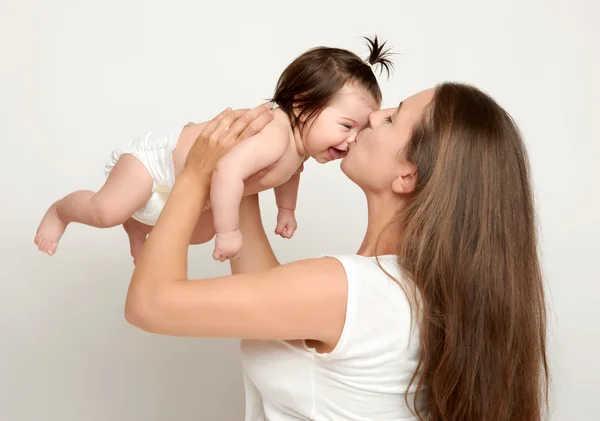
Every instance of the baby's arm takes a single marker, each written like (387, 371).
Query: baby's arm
(227, 185)
(286, 196)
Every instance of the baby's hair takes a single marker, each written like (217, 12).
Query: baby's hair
(311, 81)
(379, 56)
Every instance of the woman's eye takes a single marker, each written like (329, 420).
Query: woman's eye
(388, 119)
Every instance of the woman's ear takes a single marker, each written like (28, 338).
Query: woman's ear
(406, 182)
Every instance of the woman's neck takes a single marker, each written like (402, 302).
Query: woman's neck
(381, 237)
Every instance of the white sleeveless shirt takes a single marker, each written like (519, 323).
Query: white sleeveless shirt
(366, 375)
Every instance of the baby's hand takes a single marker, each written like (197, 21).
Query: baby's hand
(227, 245)
(286, 223)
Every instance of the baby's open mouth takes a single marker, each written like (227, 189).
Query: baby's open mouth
(336, 153)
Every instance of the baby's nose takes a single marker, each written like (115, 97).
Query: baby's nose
(351, 139)
(343, 146)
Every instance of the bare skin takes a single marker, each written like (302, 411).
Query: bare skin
(129, 186)
(271, 159)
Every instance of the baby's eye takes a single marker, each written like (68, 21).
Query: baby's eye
(347, 126)
(388, 119)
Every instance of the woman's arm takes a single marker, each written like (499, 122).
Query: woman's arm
(301, 300)
(256, 254)
(165, 254)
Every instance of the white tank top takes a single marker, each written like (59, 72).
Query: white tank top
(364, 378)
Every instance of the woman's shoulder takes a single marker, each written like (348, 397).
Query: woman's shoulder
(375, 280)
(350, 281)
(352, 264)
(376, 299)
(371, 277)
(384, 265)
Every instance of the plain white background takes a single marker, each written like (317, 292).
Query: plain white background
(81, 78)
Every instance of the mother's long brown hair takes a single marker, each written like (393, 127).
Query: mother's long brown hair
(468, 246)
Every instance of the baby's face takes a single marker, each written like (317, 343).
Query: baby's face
(338, 124)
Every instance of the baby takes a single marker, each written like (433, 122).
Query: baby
(323, 99)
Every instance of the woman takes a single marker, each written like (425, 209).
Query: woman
(440, 315)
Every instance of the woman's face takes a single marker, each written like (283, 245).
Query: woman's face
(374, 161)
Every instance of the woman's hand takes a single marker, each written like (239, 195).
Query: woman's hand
(303, 300)
(221, 134)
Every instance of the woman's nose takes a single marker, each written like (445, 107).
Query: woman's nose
(375, 118)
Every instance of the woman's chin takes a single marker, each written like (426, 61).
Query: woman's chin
(344, 165)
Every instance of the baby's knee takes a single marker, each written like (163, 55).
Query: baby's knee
(106, 214)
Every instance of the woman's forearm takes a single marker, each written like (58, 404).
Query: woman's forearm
(283, 302)
(256, 254)
(163, 258)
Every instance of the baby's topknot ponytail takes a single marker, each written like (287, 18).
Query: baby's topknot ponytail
(378, 55)
(313, 79)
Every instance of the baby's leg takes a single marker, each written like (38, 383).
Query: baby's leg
(137, 232)
(203, 232)
(127, 188)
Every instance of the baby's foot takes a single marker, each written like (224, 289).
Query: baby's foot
(49, 232)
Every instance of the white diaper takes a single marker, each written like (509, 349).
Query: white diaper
(155, 150)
